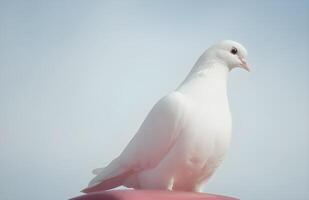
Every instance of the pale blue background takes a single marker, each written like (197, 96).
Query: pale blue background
(78, 77)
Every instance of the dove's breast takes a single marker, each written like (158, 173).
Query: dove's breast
(204, 140)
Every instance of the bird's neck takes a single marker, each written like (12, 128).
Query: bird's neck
(206, 80)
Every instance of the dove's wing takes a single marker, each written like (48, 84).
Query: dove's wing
(157, 133)
(151, 143)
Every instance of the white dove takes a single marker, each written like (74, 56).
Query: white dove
(186, 134)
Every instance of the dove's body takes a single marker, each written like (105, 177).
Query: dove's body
(204, 134)
(183, 139)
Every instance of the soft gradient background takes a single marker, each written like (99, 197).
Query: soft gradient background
(78, 77)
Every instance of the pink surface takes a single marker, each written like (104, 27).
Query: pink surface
(149, 195)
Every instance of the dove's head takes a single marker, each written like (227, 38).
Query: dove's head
(230, 53)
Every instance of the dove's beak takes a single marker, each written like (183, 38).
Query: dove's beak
(244, 64)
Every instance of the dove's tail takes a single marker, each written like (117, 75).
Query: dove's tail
(97, 171)
(108, 177)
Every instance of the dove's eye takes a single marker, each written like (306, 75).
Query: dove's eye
(234, 50)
